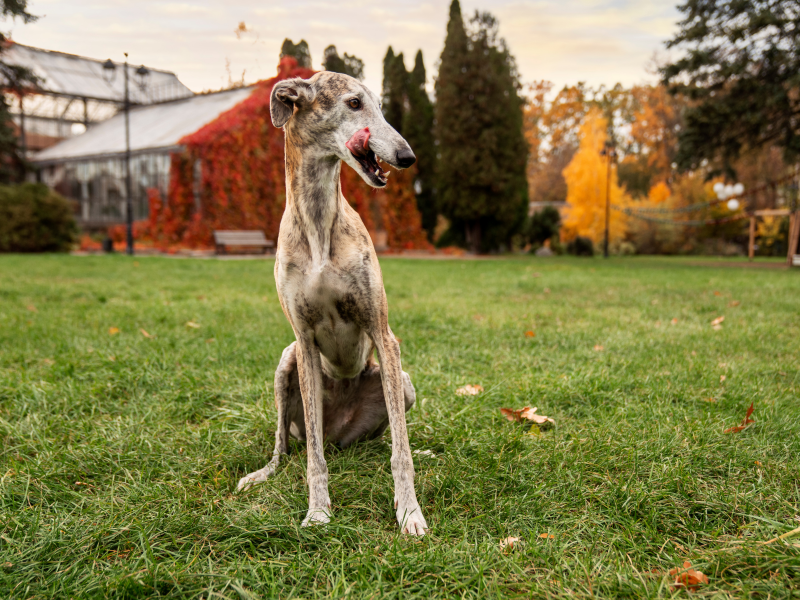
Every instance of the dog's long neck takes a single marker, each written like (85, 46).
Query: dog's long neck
(312, 194)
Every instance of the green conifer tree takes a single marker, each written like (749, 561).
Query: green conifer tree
(349, 65)
(482, 188)
(418, 131)
(299, 52)
(395, 84)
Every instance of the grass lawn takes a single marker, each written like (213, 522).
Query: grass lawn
(120, 452)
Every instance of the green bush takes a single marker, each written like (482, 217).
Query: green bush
(543, 226)
(581, 246)
(33, 218)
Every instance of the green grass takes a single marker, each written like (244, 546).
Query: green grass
(119, 454)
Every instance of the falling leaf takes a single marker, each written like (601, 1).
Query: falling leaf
(509, 543)
(598, 348)
(32, 308)
(469, 390)
(745, 422)
(674, 321)
(687, 577)
(734, 303)
(722, 378)
(547, 536)
(526, 414)
(147, 335)
(192, 324)
(530, 334)
(425, 453)
(113, 330)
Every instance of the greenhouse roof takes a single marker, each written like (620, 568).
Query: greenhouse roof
(154, 127)
(80, 77)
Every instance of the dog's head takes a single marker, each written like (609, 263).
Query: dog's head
(337, 116)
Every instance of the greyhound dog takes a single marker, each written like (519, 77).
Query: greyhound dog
(327, 385)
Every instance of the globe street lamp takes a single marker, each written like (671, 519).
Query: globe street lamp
(141, 73)
(729, 191)
(610, 153)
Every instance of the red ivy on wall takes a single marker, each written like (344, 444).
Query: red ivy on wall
(243, 183)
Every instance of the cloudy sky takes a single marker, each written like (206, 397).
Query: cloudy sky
(565, 41)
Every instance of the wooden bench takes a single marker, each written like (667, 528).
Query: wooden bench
(223, 239)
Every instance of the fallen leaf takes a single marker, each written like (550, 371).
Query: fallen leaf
(717, 293)
(687, 577)
(598, 348)
(32, 308)
(201, 297)
(722, 378)
(48, 361)
(658, 323)
(113, 330)
(509, 543)
(145, 334)
(758, 463)
(547, 536)
(478, 317)
(712, 400)
(526, 414)
(530, 334)
(546, 290)
(210, 341)
(674, 321)
(718, 321)
(112, 358)
(469, 390)
(192, 324)
(425, 453)
(734, 303)
(745, 422)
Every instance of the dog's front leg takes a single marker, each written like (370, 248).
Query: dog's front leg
(408, 511)
(309, 368)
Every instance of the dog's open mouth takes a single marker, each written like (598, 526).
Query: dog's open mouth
(359, 148)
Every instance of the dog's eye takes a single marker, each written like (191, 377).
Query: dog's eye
(354, 103)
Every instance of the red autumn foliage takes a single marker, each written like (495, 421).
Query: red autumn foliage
(243, 182)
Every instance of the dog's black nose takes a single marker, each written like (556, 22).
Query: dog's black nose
(405, 158)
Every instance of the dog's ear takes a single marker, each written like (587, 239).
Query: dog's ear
(285, 96)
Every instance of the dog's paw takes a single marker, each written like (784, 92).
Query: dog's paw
(253, 478)
(317, 516)
(411, 521)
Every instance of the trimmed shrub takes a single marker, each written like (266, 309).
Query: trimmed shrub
(33, 218)
(581, 246)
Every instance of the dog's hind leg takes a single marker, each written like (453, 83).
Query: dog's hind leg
(287, 402)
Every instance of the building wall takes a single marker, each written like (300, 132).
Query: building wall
(98, 185)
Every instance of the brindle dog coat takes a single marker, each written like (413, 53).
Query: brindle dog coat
(327, 385)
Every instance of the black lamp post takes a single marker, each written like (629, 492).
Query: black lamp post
(142, 74)
(610, 153)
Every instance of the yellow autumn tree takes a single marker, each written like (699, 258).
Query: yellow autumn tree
(586, 177)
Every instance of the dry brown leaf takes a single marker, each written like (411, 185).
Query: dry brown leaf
(547, 536)
(113, 330)
(712, 400)
(147, 335)
(112, 358)
(717, 323)
(526, 414)
(722, 378)
(546, 290)
(717, 293)
(509, 543)
(674, 321)
(687, 577)
(210, 341)
(469, 390)
(32, 308)
(530, 334)
(745, 422)
(478, 317)
(734, 303)
(192, 324)
(598, 348)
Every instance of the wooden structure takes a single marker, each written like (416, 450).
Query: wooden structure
(223, 239)
(794, 232)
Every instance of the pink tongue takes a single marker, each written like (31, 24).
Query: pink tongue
(359, 143)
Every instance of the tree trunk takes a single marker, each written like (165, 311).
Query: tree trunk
(473, 233)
